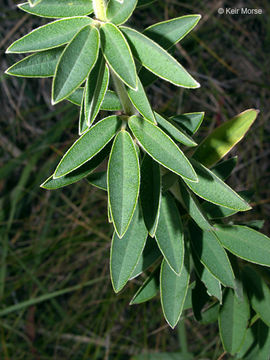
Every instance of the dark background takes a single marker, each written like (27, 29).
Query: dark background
(56, 240)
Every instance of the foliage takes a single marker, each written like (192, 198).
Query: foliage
(155, 188)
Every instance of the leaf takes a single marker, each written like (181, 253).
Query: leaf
(168, 33)
(59, 8)
(258, 292)
(219, 212)
(49, 36)
(149, 256)
(246, 345)
(211, 254)
(80, 173)
(192, 206)
(224, 168)
(150, 193)
(245, 243)
(99, 180)
(169, 233)
(261, 349)
(118, 12)
(233, 322)
(76, 62)
(110, 102)
(118, 54)
(174, 131)
(83, 126)
(34, 2)
(211, 283)
(212, 189)
(88, 145)
(188, 299)
(161, 148)
(42, 64)
(123, 181)
(210, 315)
(96, 88)
(190, 122)
(125, 252)
(173, 291)
(140, 101)
(215, 146)
(157, 60)
(148, 290)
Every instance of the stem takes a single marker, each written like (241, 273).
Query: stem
(99, 7)
(121, 91)
(182, 336)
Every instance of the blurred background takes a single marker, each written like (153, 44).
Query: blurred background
(56, 300)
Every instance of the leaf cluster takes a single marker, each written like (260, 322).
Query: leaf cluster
(168, 202)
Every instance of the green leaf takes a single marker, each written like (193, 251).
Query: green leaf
(59, 8)
(210, 315)
(188, 299)
(192, 205)
(224, 168)
(219, 212)
(190, 122)
(211, 283)
(148, 290)
(209, 250)
(161, 147)
(173, 291)
(110, 102)
(245, 243)
(76, 62)
(174, 131)
(215, 146)
(125, 252)
(140, 101)
(80, 173)
(118, 12)
(246, 345)
(34, 2)
(150, 193)
(83, 126)
(261, 349)
(96, 88)
(211, 188)
(168, 33)
(149, 256)
(49, 36)
(258, 292)
(169, 233)
(40, 65)
(118, 54)
(157, 60)
(123, 181)
(233, 321)
(98, 179)
(88, 145)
